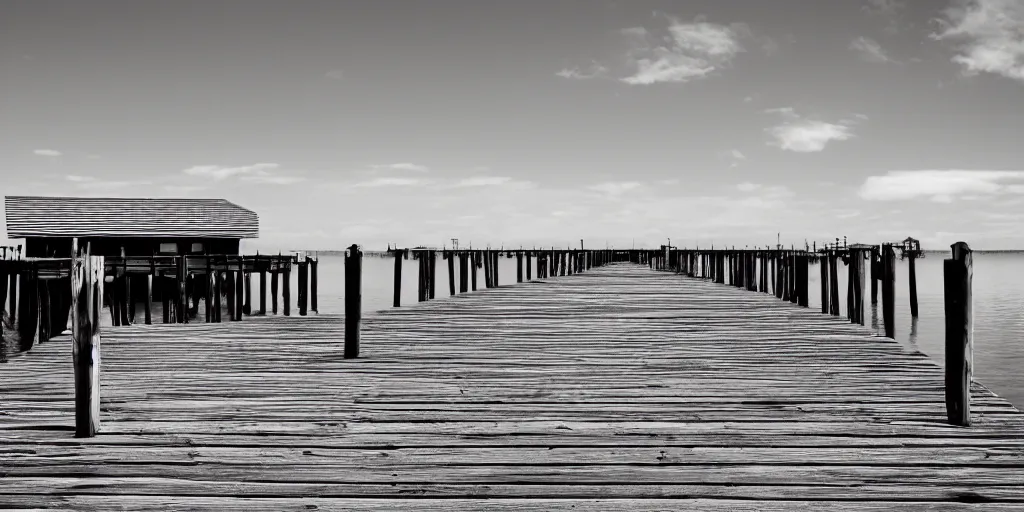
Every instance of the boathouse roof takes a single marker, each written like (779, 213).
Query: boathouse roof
(127, 217)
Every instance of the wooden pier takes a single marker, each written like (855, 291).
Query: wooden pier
(620, 387)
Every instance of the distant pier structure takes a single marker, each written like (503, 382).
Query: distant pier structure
(128, 226)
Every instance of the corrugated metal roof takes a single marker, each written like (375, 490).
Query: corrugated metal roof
(128, 217)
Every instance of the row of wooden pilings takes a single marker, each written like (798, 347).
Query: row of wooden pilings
(784, 273)
(549, 263)
(39, 291)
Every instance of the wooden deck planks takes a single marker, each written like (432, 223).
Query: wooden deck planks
(621, 388)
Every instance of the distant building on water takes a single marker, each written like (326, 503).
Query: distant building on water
(139, 227)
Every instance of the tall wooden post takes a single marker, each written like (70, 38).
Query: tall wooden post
(801, 279)
(399, 256)
(303, 286)
(218, 286)
(229, 291)
(856, 284)
(876, 271)
(263, 291)
(958, 273)
(529, 265)
(274, 288)
(286, 289)
(487, 269)
(432, 266)
(833, 282)
(86, 303)
(149, 295)
(473, 264)
(421, 276)
(240, 288)
(247, 307)
(313, 264)
(913, 283)
(463, 272)
(353, 300)
(181, 306)
(494, 268)
(823, 264)
(13, 312)
(450, 256)
(888, 290)
(519, 266)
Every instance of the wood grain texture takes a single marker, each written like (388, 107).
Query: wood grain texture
(621, 388)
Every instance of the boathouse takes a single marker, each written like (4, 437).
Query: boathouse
(136, 226)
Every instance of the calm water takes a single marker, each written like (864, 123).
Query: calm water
(998, 306)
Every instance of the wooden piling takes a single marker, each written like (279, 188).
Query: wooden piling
(833, 282)
(463, 272)
(218, 290)
(13, 279)
(432, 267)
(529, 265)
(247, 305)
(399, 256)
(303, 286)
(801, 274)
(313, 264)
(912, 276)
(888, 290)
(263, 291)
(823, 267)
(240, 289)
(958, 273)
(229, 291)
(450, 256)
(494, 268)
(487, 269)
(273, 289)
(286, 289)
(876, 271)
(519, 266)
(421, 276)
(473, 265)
(86, 303)
(353, 300)
(856, 284)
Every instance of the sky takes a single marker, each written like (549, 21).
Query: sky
(622, 123)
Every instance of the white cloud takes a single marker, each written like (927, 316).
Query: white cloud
(389, 182)
(79, 179)
(690, 51)
(989, 36)
(483, 181)
(747, 186)
(939, 185)
(748, 99)
(46, 152)
(615, 188)
(806, 135)
(335, 74)
(870, 51)
(595, 70)
(220, 173)
(737, 154)
(404, 166)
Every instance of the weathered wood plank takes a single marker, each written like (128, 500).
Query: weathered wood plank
(688, 395)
